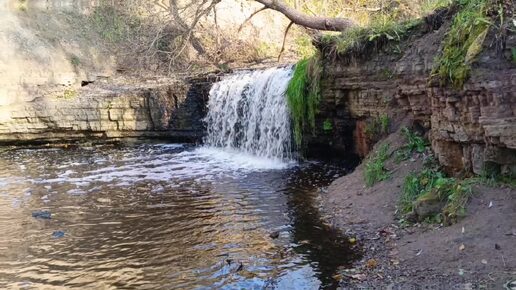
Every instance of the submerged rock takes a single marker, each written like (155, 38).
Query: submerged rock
(58, 234)
(42, 214)
(274, 235)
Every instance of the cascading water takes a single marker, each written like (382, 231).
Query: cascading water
(247, 111)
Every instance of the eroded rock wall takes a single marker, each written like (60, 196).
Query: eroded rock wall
(469, 129)
(171, 110)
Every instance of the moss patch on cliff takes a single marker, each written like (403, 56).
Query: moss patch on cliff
(464, 41)
(356, 40)
(303, 96)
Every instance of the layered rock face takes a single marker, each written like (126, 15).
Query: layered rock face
(172, 110)
(470, 129)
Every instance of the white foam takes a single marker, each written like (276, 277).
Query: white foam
(200, 165)
(232, 159)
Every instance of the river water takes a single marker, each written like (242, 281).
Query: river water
(164, 216)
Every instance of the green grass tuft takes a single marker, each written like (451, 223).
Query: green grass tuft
(463, 42)
(415, 143)
(433, 183)
(383, 30)
(375, 166)
(303, 96)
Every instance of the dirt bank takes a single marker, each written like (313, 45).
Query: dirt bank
(479, 251)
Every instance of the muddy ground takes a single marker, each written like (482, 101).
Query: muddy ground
(478, 252)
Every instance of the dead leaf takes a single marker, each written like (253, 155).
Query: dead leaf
(484, 261)
(490, 204)
(337, 277)
(371, 263)
(462, 247)
(395, 262)
(352, 240)
(419, 253)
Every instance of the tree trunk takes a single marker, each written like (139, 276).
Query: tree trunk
(313, 22)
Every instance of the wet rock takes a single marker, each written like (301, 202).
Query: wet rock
(274, 235)
(42, 214)
(58, 234)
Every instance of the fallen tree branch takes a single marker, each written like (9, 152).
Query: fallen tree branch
(313, 22)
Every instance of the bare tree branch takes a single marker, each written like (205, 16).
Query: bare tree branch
(284, 40)
(251, 16)
(313, 22)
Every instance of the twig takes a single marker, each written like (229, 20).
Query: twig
(285, 39)
(251, 16)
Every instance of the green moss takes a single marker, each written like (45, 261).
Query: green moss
(463, 42)
(303, 96)
(375, 166)
(513, 53)
(327, 125)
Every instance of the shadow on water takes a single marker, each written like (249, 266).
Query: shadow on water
(326, 248)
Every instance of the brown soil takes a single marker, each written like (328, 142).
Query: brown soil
(423, 256)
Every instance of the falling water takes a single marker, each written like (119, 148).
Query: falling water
(247, 111)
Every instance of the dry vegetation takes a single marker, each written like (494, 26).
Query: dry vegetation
(193, 35)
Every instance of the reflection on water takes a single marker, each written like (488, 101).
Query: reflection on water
(162, 216)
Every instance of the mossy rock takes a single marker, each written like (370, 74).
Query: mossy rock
(428, 205)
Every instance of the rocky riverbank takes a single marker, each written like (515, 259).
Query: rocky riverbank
(368, 97)
(477, 252)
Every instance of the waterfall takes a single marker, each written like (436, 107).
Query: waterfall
(247, 111)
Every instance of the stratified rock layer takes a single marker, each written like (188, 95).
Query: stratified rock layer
(470, 129)
(172, 110)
